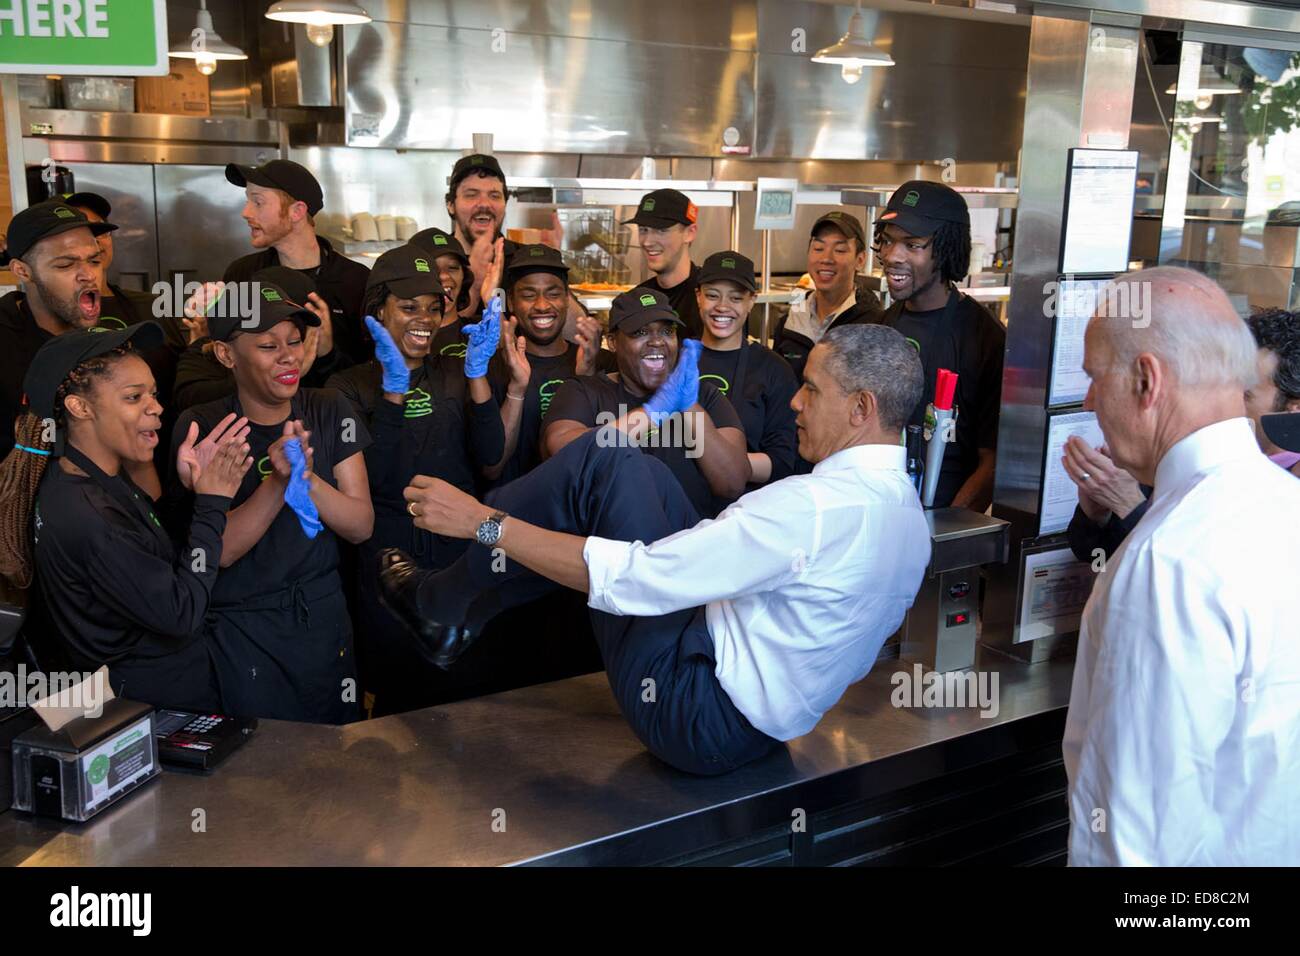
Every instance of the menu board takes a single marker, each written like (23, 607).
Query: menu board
(1054, 587)
(1099, 191)
(1060, 495)
(1076, 300)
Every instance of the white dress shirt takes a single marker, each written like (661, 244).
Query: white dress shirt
(1182, 742)
(802, 582)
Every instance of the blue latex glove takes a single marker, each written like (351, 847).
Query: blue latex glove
(397, 377)
(681, 389)
(484, 336)
(297, 493)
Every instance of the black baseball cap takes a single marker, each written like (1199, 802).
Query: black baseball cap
(283, 174)
(476, 163)
(663, 208)
(1282, 429)
(845, 222)
(45, 219)
(61, 354)
(92, 201)
(638, 307)
(294, 284)
(439, 243)
(920, 207)
(408, 271)
(536, 258)
(271, 307)
(731, 266)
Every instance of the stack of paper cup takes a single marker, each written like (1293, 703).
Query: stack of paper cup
(364, 228)
(406, 228)
(387, 227)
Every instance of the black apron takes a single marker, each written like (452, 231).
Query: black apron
(287, 654)
(942, 352)
(184, 679)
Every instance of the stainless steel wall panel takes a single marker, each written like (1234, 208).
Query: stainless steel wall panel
(199, 227)
(130, 190)
(721, 25)
(957, 89)
(429, 87)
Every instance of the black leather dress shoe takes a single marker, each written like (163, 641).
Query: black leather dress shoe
(399, 584)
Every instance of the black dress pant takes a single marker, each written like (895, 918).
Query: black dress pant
(661, 669)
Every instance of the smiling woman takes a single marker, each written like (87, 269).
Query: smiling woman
(427, 416)
(72, 513)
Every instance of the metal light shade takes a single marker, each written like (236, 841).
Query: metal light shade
(853, 49)
(317, 12)
(214, 48)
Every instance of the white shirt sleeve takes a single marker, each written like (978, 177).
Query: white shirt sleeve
(756, 545)
(1161, 700)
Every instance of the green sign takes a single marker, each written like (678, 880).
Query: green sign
(84, 37)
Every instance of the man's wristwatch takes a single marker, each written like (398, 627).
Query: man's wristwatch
(489, 530)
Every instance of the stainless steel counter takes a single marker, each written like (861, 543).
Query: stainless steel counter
(497, 780)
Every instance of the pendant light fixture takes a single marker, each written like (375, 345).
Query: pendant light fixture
(853, 51)
(205, 46)
(318, 16)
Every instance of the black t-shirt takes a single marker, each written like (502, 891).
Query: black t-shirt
(760, 390)
(449, 341)
(973, 345)
(590, 399)
(438, 431)
(682, 298)
(284, 555)
(548, 373)
(20, 338)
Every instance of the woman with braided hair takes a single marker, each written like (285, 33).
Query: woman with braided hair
(116, 587)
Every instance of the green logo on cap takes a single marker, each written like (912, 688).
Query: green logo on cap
(648, 299)
(98, 328)
(537, 251)
(63, 212)
(912, 198)
(648, 205)
(439, 240)
(421, 265)
(270, 295)
(728, 263)
(478, 158)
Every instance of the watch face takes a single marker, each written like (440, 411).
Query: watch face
(488, 532)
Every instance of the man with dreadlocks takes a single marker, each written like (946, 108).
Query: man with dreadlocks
(923, 241)
(117, 589)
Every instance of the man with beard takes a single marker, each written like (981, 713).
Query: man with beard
(923, 240)
(535, 360)
(282, 201)
(704, 447)
(476, 203)
(665, 223)
(53, 252)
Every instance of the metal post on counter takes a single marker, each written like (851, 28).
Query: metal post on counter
(766, 265)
